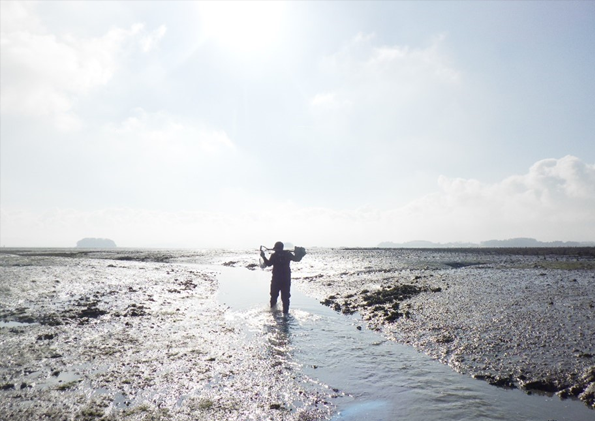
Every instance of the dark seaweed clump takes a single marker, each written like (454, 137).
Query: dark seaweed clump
(385, 302)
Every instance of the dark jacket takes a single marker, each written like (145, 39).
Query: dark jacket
(280, 261)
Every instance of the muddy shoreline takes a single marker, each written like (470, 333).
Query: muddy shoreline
(133, 338)
(516, 318)
(139, 334)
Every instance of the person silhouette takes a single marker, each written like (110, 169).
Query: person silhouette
(281, 280)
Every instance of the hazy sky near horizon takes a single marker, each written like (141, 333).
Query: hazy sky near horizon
(235, 124)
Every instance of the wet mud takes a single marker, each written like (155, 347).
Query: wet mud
(140, 335)
(135, 337)
(516, 318)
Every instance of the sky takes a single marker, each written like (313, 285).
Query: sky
(236, 124)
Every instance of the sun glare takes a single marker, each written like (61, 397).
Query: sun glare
(242, 26)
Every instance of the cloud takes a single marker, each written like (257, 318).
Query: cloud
(329, 101)
(556, 187)
(385, 108)
(167, 136)
(151, 41)
(388, 76)
(45, 74)
(161, 152)
(554, 200)
(18, 16)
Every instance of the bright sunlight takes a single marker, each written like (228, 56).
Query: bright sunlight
(242, 26)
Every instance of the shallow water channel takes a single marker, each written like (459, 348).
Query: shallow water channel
(373, 378)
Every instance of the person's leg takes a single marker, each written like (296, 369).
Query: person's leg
(285, 294)
(275, 288)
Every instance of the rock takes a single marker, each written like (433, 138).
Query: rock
(327, 302)
(541, 385)
(444, 339)
(134, 310)
(588, 396)
(505, 382)
(91, 312)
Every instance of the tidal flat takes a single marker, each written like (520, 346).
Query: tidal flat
(128, 336)
(516, 318)
(142, 335)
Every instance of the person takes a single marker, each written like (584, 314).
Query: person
(281, 280)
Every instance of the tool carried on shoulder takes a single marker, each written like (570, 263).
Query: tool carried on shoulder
(299, 253)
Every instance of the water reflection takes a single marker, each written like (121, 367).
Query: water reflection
(279, 337)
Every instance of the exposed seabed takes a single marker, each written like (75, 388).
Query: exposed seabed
(371, 377)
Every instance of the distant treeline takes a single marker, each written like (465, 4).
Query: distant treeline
(510, 243)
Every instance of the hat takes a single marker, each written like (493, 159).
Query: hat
(278, 246)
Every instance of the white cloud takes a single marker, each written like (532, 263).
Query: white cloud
(164, 155)
(165, 135)
(392, 97)
(552, 186)
(329, 101)
(554, 200)
(182, 150)
(45, 74)
(151, 40)
(18, 16)
(367, 74)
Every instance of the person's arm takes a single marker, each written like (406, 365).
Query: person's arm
(268, 262)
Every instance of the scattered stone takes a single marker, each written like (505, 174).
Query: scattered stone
(91, 312)
(544, 385)
(135, 310)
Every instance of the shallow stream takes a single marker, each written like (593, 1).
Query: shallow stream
(368, 376)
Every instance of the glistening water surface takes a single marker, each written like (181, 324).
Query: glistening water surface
(373, 378)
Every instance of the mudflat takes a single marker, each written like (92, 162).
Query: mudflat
(516, 318)
(140, 334)
(131, 336)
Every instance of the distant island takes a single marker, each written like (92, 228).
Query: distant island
(512, 243)
(96, 243)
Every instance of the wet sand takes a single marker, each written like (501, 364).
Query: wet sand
(141, 334)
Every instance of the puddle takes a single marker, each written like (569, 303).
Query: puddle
(372, 378)
(16, 324)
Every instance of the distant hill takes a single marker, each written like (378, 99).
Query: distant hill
(512, 243)
(420, 244)
(531, 242)
(96, 243)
